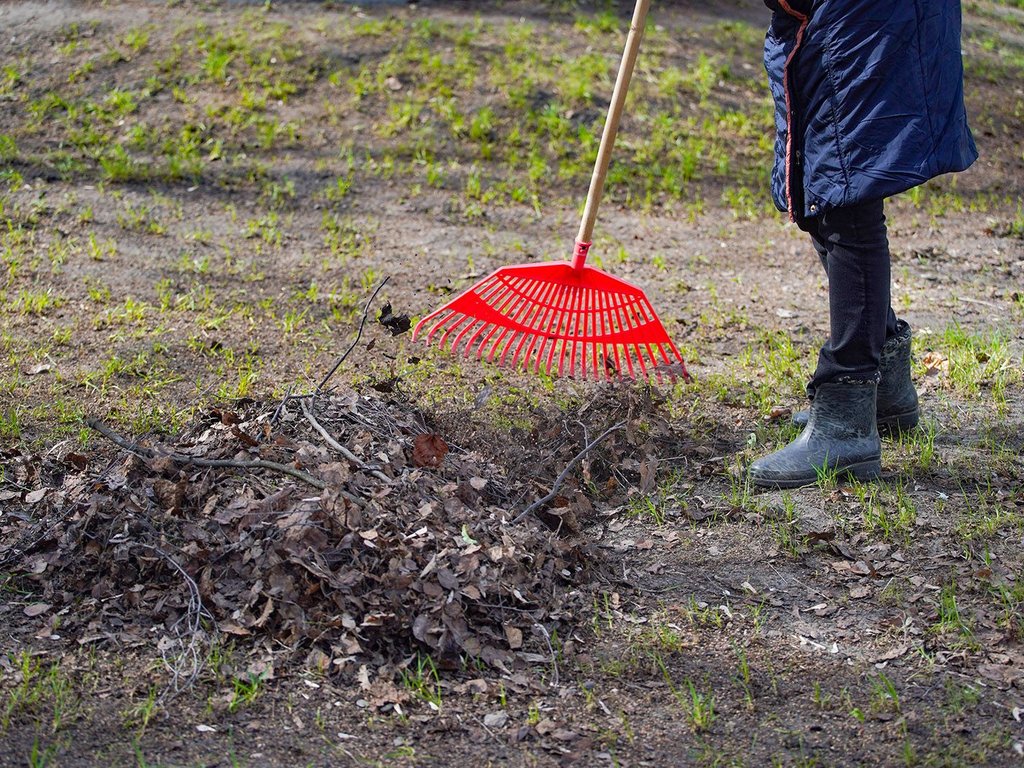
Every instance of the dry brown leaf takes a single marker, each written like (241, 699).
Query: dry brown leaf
(935, 363)
(429, 450)
(514, 637)
(33, 497)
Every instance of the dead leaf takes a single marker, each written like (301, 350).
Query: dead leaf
(935, 363)
(232, 628)
(514, 637)
(429, 450)
(268, 608)
(35, 370)
(893, 653)
(396, 324)
(36, 609)
(36, 496)
(1003, 674)
(77, 460)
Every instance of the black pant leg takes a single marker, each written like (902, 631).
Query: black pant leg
(854, 250)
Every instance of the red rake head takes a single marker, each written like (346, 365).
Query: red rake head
(575, 322)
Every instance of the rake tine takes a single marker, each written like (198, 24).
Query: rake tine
(522, 340)
(444, 313)
(500, 301)
(602, 318)
(570, 316)
(530, 295)
(607, 329)
(494, 346)
(541, 321)
(508, 298)
(526, 336)
(528, 321)
(593, 316)
(579, 329)
(550, 339)
(471, 326)
(605, 333)
(451, 327)
(576, 313)
(560, 301)
(597, 324)
(640, 358)
(590, 332)
(628, 354)
(586, 347)
(654, 357)
(624, 326)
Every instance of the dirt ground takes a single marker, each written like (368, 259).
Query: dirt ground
(198, 201)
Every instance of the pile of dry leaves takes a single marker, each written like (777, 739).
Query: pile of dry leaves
(342, 528)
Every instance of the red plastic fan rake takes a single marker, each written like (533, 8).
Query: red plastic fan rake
(565, 317)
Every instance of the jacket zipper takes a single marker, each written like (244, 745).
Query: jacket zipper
(794, 162)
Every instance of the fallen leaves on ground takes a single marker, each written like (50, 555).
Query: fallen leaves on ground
(363, 571)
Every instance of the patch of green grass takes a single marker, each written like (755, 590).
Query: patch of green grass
(950, 621)
(697, 704)
(981, 361)
(245, 690)
(887, 510)
(885, 696)
(36, 301)
(44, 693)
(784, 527)
(960, 698)
(422, 681)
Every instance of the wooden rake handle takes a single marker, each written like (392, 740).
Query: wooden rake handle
(611, 128)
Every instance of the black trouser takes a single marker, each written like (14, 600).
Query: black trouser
(852, 245)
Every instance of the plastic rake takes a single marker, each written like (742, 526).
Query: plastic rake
(564, 317)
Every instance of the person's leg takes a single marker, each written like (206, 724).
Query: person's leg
(897, 407)
(853, 248)
(841, 434)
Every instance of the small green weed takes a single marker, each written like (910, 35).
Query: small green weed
(423, 682)
(245, 690)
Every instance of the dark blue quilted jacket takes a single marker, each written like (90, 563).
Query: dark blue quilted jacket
(869, 99)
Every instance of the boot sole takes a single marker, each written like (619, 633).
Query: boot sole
(863, 470)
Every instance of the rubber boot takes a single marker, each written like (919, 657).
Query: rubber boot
(841, 436)
(898, 409)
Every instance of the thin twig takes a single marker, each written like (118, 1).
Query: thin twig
(181, 458)
(977, 301)
(565, 473)
(307, 411)
(186, 665)
(280, 408)
(359, 333)
(551, 650)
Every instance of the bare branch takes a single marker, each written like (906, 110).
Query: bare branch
(185, 665)
(359, 333)
(181, 458)
(565, 472)
(308, 412)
